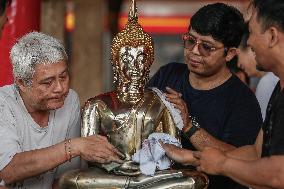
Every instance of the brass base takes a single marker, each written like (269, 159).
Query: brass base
(96, 178)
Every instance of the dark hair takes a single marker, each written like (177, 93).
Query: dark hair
(223, 22)
(243, 45)
(3, 5)
(270, 12)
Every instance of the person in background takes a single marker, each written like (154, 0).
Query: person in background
(218, 110)
(233, 66)
(247, 62)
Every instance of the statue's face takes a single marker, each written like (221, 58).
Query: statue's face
(132, 62)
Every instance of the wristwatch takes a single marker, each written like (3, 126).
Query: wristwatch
(195, 127)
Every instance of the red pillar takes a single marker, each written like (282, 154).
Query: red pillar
(24, 17)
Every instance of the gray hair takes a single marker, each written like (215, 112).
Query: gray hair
(32, 49)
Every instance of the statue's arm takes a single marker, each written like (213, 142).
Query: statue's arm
(90, 119)
(168, 124)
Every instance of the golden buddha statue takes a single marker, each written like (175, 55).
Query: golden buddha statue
(127, 116)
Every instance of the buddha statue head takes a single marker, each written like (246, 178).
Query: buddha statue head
(132, 54)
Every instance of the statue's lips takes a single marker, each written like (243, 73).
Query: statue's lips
(134, 74)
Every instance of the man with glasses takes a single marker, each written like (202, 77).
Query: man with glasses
(218, 110)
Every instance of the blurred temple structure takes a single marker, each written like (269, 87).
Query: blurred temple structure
(86, 28)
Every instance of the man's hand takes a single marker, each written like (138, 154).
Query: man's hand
(175, 98)
(96, 148)
(211, 160)
(180, 155)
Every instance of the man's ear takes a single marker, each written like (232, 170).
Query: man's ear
(231, 53)
(21, 84)
(272, 33)
(238, 51)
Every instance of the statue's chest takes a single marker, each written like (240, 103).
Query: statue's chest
(127, 126)
(127, 120)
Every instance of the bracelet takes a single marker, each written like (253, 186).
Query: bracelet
(67, 144)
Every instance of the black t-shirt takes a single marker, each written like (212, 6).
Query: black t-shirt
(229, 112)
(273, 126)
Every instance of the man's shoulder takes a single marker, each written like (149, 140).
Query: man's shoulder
(171, 75)
(71, 101)
(7, 94)
(238, 92)
(72, 94)
(237, 85)
(6, 91)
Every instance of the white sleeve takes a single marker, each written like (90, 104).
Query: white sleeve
(9, 140)
(264, 90)
(73, 131)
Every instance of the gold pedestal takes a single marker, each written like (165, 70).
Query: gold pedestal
(96, 178)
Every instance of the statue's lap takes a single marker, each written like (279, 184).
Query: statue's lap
(96, 178)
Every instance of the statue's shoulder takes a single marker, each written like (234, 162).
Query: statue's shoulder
(152, 97)
(149, 93)
(104, 98)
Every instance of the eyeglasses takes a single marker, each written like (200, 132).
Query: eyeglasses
(204, 48)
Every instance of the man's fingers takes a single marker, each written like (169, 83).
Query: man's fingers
(103, 137)
(175, 101)
(196, 154)
(95, 157)
(171, 91)
(106, 155)
(116, 159)
(97, 138)
(196, 163)
(112, 157)
(161, 143)
(172, 96)
(115, 151)
(120, 154)
(199, 168)
(98, 159)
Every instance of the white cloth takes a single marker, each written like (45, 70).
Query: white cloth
(152, 155)
(2, 183)
(19, 133)
(264, 90)
(173, 111)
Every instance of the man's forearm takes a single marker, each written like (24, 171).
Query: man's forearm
(202, 139)
(248, 153)
(31, 163)
(262, 173)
